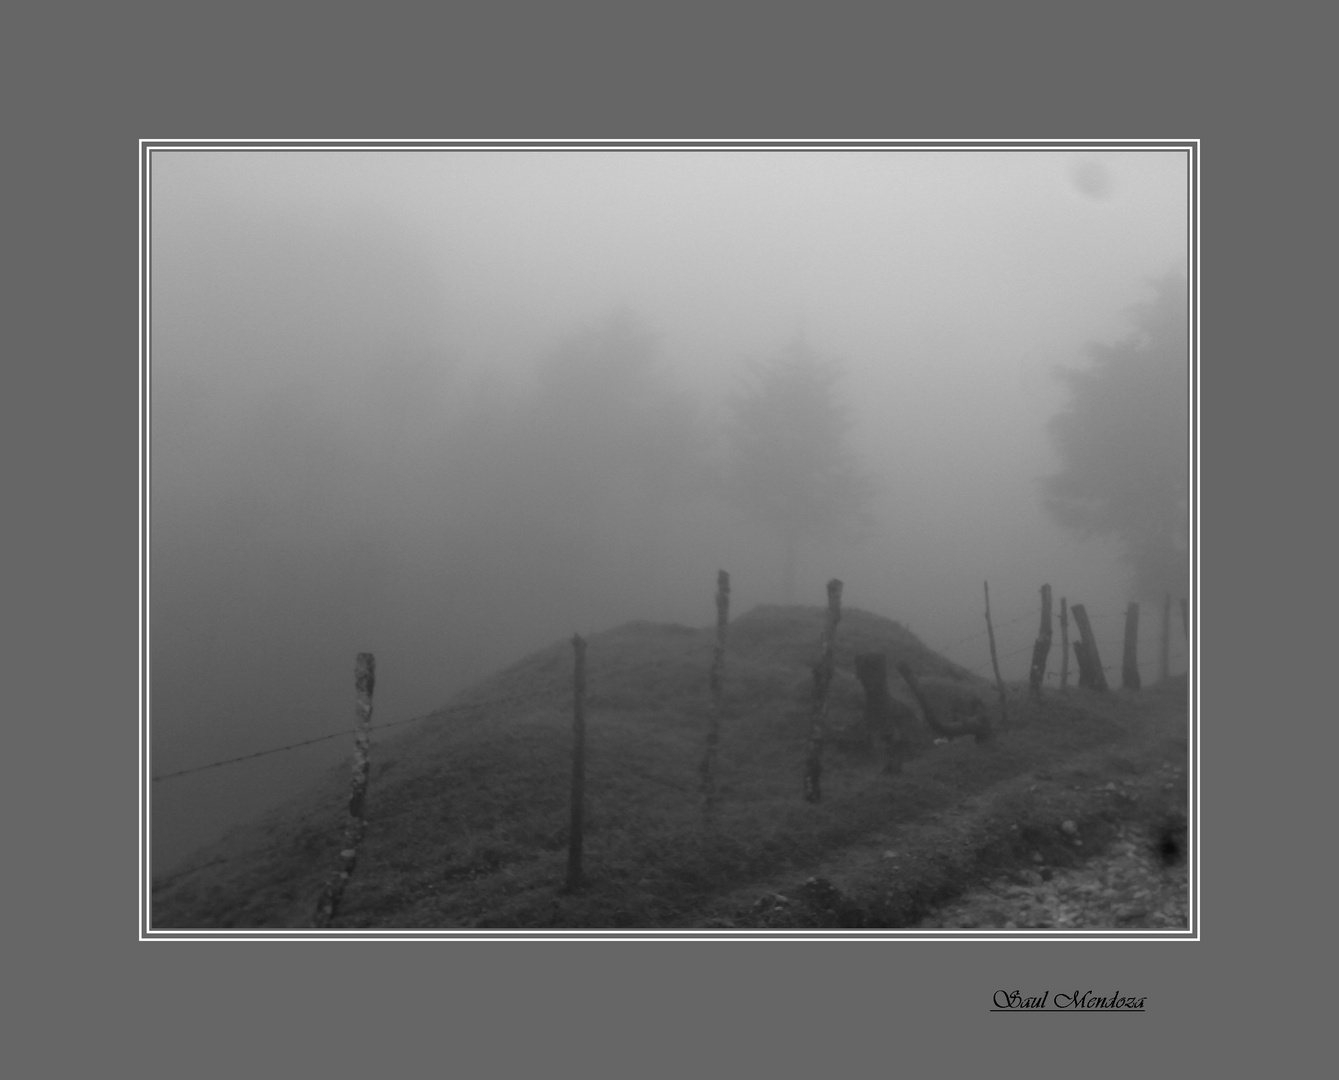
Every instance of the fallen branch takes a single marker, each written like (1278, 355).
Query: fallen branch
(977, 723)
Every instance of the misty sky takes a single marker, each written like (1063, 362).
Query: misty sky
(338, 341)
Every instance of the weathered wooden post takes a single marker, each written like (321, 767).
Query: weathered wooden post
(994, 662)
(813, 768)
(1091, 674)
(716, 682)
(574, 840)
(1129, 664)
(1083, 679)
(1064, 644)
(364, 680)
(1164, 652)
(1042, 648)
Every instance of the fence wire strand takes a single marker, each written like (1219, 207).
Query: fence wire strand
(452, 710)
(449, 710)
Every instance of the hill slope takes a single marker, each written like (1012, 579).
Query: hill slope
(468, 812)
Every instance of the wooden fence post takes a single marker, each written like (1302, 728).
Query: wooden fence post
(1164, 652)
(994, 662)
(575, 878)
(364, 680)
(1129, 665)
(716, 681)
(813, 769)
(1042, 649)
(1091, 674)
(1064, 644)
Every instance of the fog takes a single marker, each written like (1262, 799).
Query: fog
(448, 407)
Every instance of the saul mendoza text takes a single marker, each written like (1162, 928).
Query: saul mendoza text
(1008, 1000)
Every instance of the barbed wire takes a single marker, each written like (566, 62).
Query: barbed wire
(162, 883)
(248, 757)
(1101, 616)
(513, 699)
(964, 641)
(449, 710)
(986, 665)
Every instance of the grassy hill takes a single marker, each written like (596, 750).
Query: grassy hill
(468, 810)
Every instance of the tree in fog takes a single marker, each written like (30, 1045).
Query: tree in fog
(587, 468)
(608, 420)
(1123, 441)
(789, 467)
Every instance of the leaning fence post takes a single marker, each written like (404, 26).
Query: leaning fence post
(994, 662)
(574, 840)
(1042, 649)
(813, 768)
(364, 679)
(716, 682)
(1129, 665)
(1091, 674)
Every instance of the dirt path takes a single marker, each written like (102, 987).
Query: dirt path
(1141, 881)
(1096, 840)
